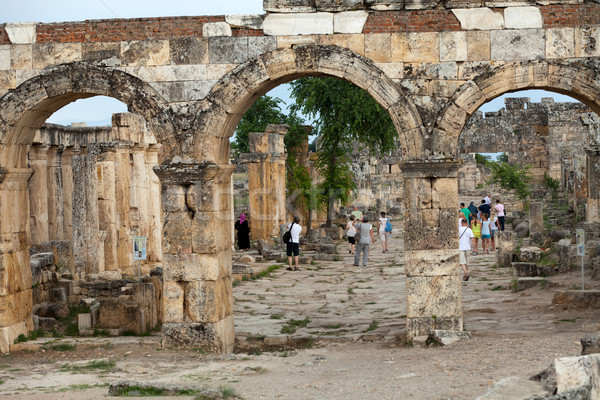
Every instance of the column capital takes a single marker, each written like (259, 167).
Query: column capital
(15, 174)
(445, 168)
(262, 157)
(187, 174)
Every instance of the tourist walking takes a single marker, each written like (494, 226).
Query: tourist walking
(476, 229)
(366, 236)
(485, 208)
(487, 199)
(351, 231)
(243, 233)
(465, 210)
(465, 235)
(473, 210)
(486, 234)
(358, 215)
(493, 228)
(499, 207)
(384, 235)
(293, 246)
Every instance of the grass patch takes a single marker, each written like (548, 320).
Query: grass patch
(139, 391)
(332, 326)
(256, 338)
(350, 290)
(276, 316)
(61, 347)
(95, 365)
(33, 335)
(374, 325)
(498, 287)
(293, 324)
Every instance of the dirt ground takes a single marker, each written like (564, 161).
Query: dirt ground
(353, 319)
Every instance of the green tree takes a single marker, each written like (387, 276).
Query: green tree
(512, 177)
(266, 110)
(343, 114)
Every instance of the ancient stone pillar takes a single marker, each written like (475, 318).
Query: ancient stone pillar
(433, 291)
(55, 194)
(536, 222)
(505, 247)
(67, 179)
(15, 271)
(39, 193)
(123, 161)
(107, 207)
(85, 214)
(266, 181)
(197, 216)
(154, 211)
(593, 184)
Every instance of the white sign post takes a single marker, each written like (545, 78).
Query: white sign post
(139, 251)
(580, 238)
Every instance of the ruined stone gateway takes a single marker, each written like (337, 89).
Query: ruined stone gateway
(430, 64)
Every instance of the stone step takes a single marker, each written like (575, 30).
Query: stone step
(530, 282)
(523, 269)
(577, 298)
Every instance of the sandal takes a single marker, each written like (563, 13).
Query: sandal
(289, 269)
(296, 269)
(466, 277)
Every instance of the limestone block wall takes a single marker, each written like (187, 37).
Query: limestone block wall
(95, 189)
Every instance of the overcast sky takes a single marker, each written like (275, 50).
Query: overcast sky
(98, 110)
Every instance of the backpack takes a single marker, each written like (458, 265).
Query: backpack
(388, 226)
(288, 235)
(357, 234)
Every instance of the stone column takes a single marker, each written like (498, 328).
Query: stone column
(266, 181)
(85, 215)
(15, 271)
(55, 194)
(39, 193)
(198, 298)
(433, 291)
(536, 222)
(123, 161)
(154, 211)
(107, 207)
(593, 184)
(505, 247)
(67, 179)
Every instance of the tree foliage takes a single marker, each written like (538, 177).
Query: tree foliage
(512, 177)
(343, 114)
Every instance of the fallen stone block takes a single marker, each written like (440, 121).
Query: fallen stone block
(577, 298)
(446, 338)
(241, 269)
(530, 282)
(514, 388)
(526, 269)
(246, 259)
(84, 321)
(530, 254)
(590, 345)
(575, 372)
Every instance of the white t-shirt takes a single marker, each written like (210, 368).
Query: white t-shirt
(350, 229)
(295, 232)
(487, 200)
(464, 241)
(493, 224)
(382, 222)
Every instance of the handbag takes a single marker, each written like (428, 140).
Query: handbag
(357, 234)
(288, 235)
(388, 226)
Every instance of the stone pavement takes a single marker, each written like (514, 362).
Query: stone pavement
(343, 302)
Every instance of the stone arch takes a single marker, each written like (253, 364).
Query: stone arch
(25, 108)
(231, 97)
(22, 111)
(577, 79)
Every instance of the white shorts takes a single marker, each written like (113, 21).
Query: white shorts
(384, 236)
(464, 257)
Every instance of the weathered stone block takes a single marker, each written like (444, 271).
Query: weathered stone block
(526, 269)
(577, 298)
(4, 58)
(431, 262)
(298, 24)
(208, 301)
(104, 54)
(123, 314)
(21, 32)
(479, 19)
(84, 321)
(217, 337)
(173, 301)
(228, 50)
(574, 372)
(378, 47)
(433, 296)
(188, 50)
(216, 29)
(191, 267)
(338, 5)
(530, 254)
(350, 21)
(560, 42)
(446, 338)
(525, 44)
(15, 272)
(523, 18)
(415, 47)
(422, 326)
(453, 46)
(8, 334)
(384, 5)
(563, 249)
(140, 53)
(478, 46)
(590, 345)
(530, 282)
(586, 42)
(289, 6)
(505, 249)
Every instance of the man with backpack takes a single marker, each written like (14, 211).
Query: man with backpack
(293, 244)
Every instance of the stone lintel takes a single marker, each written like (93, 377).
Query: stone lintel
(15, 174)
(261, 157)
(187, 174)
(447, 168)
(277, 128)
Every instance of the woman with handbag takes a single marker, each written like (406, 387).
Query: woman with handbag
(351, 231)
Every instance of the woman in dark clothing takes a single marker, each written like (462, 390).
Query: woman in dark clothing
(243, 236)
(473, 209)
